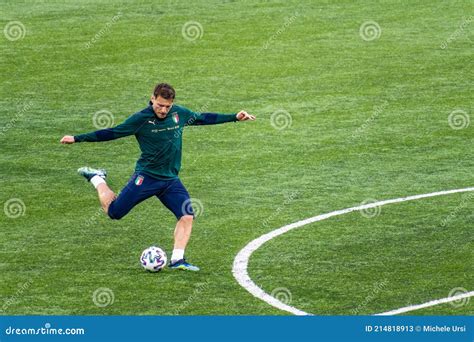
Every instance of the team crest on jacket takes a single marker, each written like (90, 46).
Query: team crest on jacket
(175, 117)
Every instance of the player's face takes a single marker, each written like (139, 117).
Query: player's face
(161, 106)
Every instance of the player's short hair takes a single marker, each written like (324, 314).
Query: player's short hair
(164, 90)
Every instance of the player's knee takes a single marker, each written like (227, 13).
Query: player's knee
(114, 214)
(187, 218)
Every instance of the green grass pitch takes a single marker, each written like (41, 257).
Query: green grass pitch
(371, 118)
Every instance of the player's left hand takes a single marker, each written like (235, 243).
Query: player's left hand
(243, 116)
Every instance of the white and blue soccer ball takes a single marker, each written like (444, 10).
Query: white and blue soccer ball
(153, 259)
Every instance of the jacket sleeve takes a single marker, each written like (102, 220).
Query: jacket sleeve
(128, 127)
(197, 119)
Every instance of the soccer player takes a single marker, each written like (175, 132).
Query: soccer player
(158, 130)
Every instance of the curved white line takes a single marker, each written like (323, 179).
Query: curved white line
(241, 261)
(427, 304)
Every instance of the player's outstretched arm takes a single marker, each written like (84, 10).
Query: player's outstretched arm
(128, 127)
(215, 118)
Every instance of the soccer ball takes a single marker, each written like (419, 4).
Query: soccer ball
(153, 259)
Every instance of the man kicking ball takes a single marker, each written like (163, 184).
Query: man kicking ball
(158, 130)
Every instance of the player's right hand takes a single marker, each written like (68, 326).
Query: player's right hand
(68, 139)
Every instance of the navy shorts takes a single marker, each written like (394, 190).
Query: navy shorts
(171, 193)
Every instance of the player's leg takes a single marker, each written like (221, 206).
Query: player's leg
(106, 196)
(133, 193)
(97, 178)
(139, 188)
(182, 232)
(176, 198)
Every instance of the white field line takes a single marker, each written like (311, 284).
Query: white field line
(427, 304)
(241, 261)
